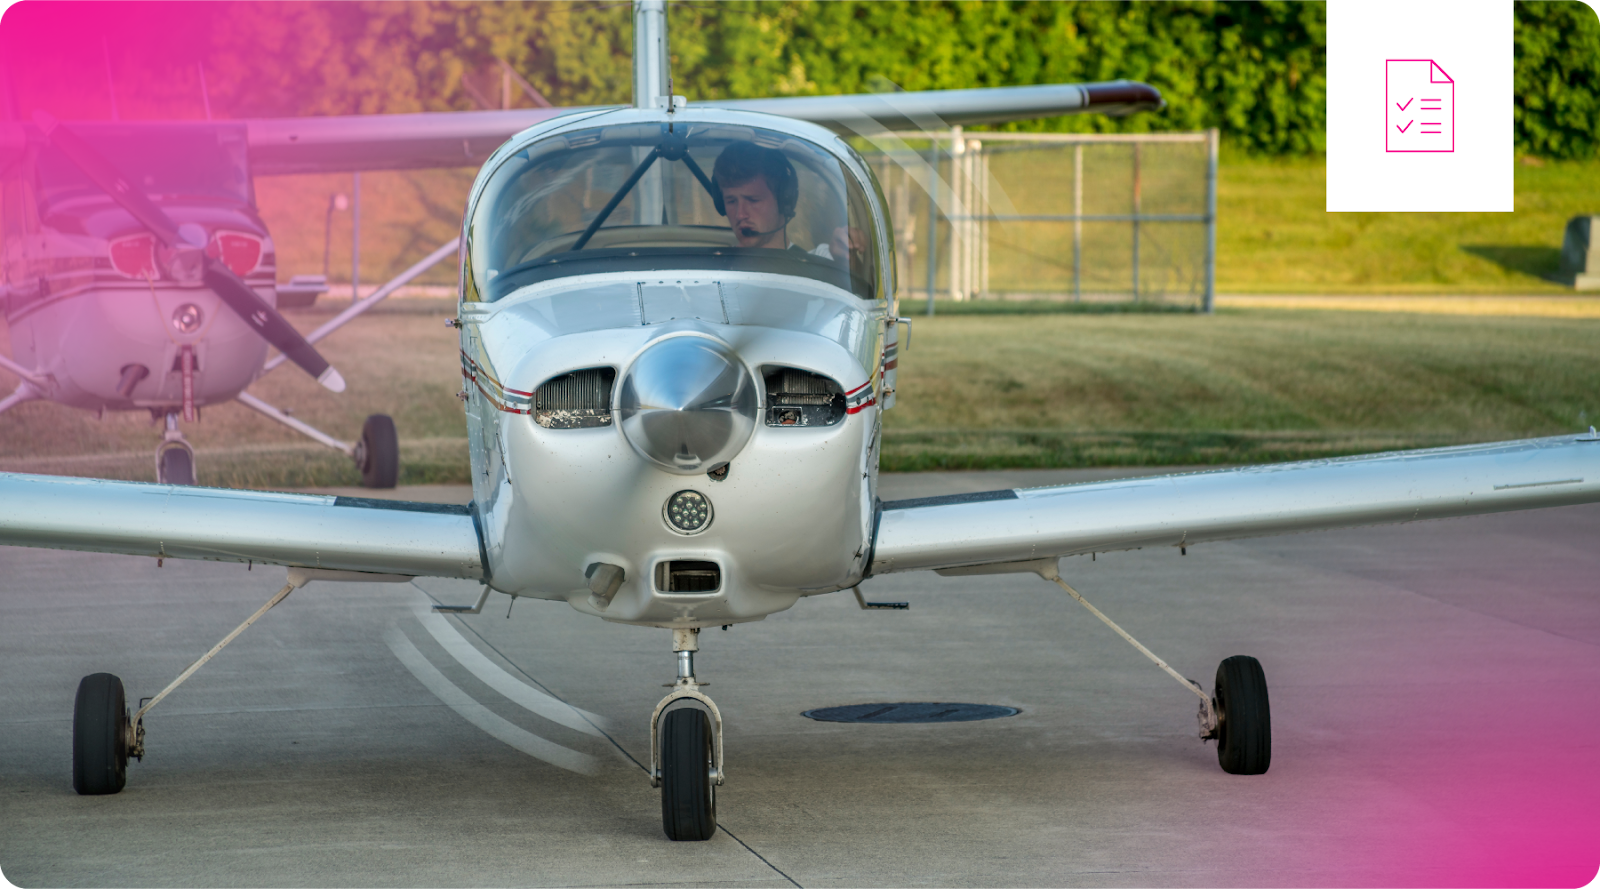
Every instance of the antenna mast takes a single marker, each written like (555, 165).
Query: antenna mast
(649, 52)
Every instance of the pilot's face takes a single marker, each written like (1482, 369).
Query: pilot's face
(753, 213)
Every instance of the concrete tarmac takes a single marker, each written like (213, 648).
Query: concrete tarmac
(1432, 695)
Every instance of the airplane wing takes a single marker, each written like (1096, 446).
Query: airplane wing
(936, 109)
(999, 531)
(281, 146)
(298, 530)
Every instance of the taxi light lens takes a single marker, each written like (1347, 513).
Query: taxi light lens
(134, 256)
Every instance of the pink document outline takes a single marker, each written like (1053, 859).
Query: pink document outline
(1432, 67)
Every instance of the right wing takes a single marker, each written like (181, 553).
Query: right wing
(297, 530)
(936, 109)
(1004, 530)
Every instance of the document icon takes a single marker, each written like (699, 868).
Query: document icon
(1420, 106)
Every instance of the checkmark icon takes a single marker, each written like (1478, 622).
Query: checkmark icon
(1406, 127)
(1406, 105)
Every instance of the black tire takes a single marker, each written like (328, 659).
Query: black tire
(378, 452)
(1244, 737)
(175, 465)
(99, 736)
(688, 798)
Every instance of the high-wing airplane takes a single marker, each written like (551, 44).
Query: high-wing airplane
(139, 276)
(678, 338)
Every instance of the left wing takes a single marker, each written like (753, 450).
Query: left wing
(1004, 529)
(297, 530)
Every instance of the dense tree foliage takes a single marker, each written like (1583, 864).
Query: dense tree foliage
(1254, 68)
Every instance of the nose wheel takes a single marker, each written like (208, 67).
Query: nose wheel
(686, 750)
(174, 456)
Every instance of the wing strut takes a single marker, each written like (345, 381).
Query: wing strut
(298, 577)
(1049, 570)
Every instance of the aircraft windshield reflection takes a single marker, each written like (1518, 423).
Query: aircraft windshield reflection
(627, 197)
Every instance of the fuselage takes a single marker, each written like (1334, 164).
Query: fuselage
(565, 375)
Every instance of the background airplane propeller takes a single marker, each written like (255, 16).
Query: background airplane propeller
(186, 257)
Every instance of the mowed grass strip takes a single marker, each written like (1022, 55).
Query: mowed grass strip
(1243, 386)
(975, 391)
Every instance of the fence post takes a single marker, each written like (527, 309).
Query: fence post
(958, 150)
(933, 219)
(355, 238)
(1208, 304)
(1138, 187)
(1077, 222)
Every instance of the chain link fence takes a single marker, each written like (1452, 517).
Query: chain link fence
(1070, 217)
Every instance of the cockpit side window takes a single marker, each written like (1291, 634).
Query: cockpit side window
(645, 197)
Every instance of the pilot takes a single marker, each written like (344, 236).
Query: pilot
(757, 189)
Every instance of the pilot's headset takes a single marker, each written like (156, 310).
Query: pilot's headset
(748, 160)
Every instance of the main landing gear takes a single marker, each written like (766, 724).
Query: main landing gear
(104, 736)
(376, 453)
(1237, 716)
(686, 750)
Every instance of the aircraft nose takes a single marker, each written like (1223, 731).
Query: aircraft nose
(687, 404)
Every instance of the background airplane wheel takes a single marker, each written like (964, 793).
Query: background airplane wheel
(175, 464)
(378, 452)
(99, 736)
(688, 798)
(1244, 740)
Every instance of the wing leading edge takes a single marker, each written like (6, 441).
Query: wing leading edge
(1030, 524)
(281, 146)
(298, 530)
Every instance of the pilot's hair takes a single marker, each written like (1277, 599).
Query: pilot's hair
(744, 161)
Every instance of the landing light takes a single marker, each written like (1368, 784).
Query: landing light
(687, 512)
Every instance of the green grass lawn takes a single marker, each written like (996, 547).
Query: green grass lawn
(1070, 389)
(975, 391)
(1274, 237)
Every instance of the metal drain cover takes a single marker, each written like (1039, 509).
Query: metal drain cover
(911, 712)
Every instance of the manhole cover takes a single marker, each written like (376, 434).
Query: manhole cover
(913, 712)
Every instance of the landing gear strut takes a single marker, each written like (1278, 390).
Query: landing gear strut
(1237, 717)
(686, 751)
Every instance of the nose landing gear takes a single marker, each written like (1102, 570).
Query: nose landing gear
(686, 750)
(174, 456)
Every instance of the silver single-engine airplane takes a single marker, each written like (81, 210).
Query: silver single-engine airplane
(677, 341)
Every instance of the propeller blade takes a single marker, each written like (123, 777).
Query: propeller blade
(232, 289)
(271, 325)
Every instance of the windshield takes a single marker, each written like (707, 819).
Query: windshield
(638, 197)
(162, 161)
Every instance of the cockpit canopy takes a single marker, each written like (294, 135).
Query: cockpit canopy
(641, 196)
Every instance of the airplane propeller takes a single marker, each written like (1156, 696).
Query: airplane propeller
(185, 254)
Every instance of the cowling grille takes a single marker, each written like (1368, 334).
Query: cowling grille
(578, 400)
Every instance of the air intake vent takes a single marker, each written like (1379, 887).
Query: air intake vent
(578, 400)
(801, 398)
(686, 576)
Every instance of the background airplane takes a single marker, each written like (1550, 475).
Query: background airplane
(669, 429)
